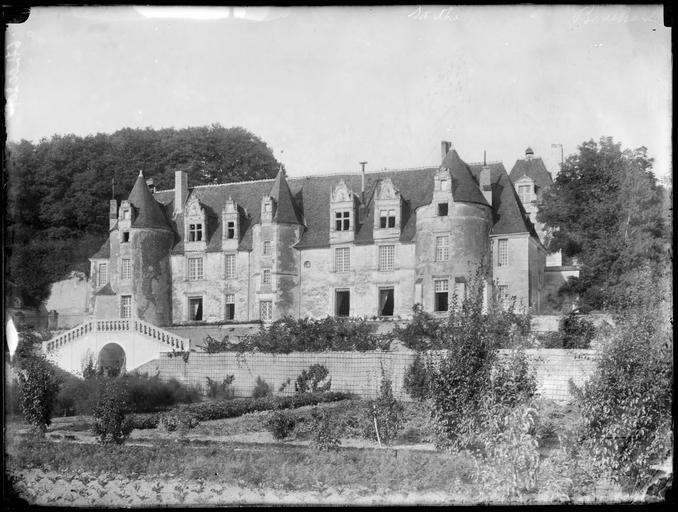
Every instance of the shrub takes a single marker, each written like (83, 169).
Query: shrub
(513, 381)
(37, 388)
(261, 389)
(576, 332)
(309, 380)
(177, 421)
(417, 381)
(222, 391)
(626, 405)
(325, 431)
(421, 332)
(387, 412)
(75, 397)
(110, 423)
(550, 339)
(280, 424)
(284, 385)
(213, 346)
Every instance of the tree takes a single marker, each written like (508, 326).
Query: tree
(606, 209)
(38, 387)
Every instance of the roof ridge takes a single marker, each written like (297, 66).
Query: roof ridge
(489, 162)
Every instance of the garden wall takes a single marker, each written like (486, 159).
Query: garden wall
(354, 372)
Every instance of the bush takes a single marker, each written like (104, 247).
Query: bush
(110, 423)
(417, 380)
(280, 424)
(626, 405)
(177, 421)
(387, 412)
(261, 389)
(576, 332)
(309, 380)
(213, 346)
(222, 391)
(325, 431)
(421, 332)
(37, 388)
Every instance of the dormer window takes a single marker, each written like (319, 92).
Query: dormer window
(125, 237)
(126, 215)
(267, 248)
(445, 185)
(195, 232)
(387, 219)
(342, 220)
(525, 193)
(230, 229)
(443, 209)
(267, 207)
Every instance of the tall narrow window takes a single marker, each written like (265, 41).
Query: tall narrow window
(265, 310)
(441, 288)
(125, 306)
(342, 259)
(503, 252)
(230, 266)
(342, 303)
(103, 273)
(195, 269)
(442, 209)
(442, 248)
(125, 237)
(525, 193)
(342, 221)
(386, 302)
(444, 185)
(386, 257)
(267, 247)
(230, 306)
(266, 276)
(194, 232)
(387, 218)
(230, 229)
(126, 269)
(195, 309)
(503, 292)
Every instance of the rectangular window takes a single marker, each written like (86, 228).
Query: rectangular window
(265, 310)
(387, 219)
(442, 248)
(125, 237)
(195, 269)
(126, 270)
(444, 185)
(525, 193)
(503, 292)
(230, 306)
(194, 232)
(125, 306)
(386, 302)
(230, 266)
(103, 273)
(267, 247)
(442, 209)
(266, 276)
(342, 259)
(441, 288)
(195, 308)
(342, 303)
(386, 257)
(230, 229)
(342, 221)
(503, 252)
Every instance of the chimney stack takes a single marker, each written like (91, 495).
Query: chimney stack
(180, 190)
(151, 185)
(445, 147)
(112, 213)
(362, 183)
(485, 180)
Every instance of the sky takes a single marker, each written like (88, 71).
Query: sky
(327, 88)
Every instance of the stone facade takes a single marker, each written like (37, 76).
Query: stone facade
(371, 245)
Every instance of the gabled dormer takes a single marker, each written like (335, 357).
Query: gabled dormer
(268, 207)
(126, 216)
(342, 214)
(442, 192)
(526, 189)
(387, 210)
(230, 225)
(195, 226)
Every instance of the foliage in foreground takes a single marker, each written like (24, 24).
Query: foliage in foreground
(37, 387)
(313, 380)
(386, 412)
(110, 422)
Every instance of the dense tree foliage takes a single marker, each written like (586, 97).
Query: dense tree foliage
(607, 210)
(58, 188)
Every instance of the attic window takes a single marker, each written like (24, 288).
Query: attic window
(444, 185)
(230, 229)
(442, 209)
(525, 193)
(125, 236)
(194, 232)
(342, 220)
(387, 219)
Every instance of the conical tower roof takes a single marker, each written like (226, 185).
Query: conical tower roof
(149, 211)
(465, 188)
(286, 210)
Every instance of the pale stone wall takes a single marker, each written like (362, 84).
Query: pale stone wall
(355, 372)
(515, 274)
(70, 299)
(319, 281)
(537, 262)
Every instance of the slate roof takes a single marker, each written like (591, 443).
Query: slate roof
(306, 200)
(534, 169)
(104, 251)
(106, 290)
(508, 212)
(149, 213)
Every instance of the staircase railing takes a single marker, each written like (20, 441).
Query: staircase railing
(119, 325)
